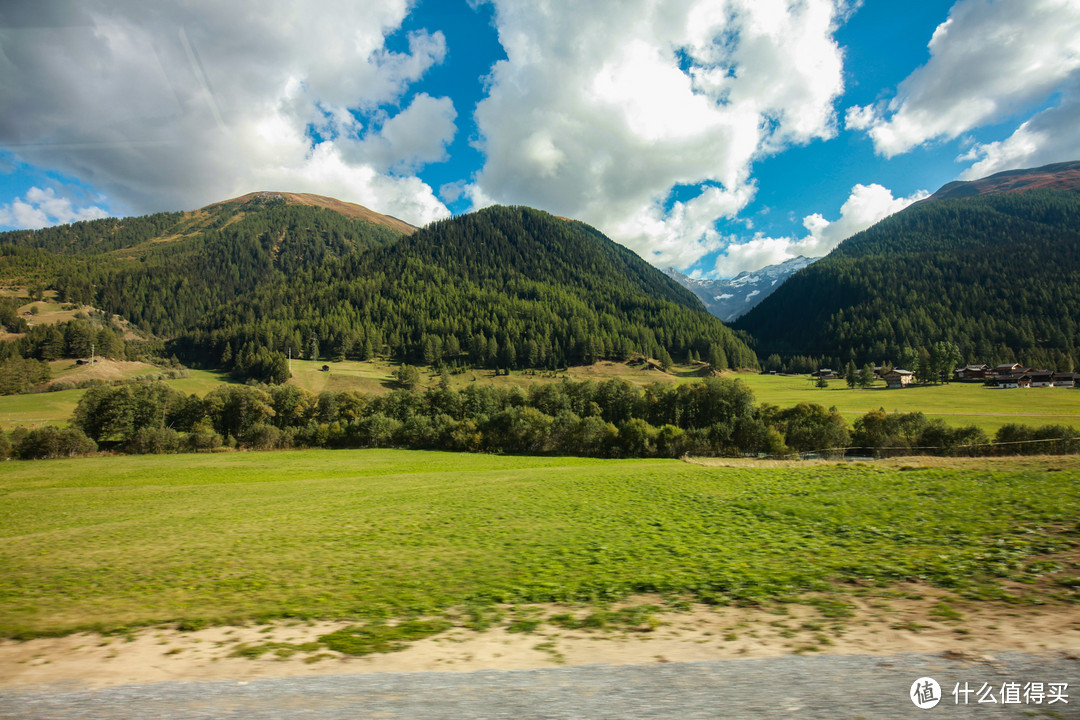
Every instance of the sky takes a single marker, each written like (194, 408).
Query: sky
(713, 136)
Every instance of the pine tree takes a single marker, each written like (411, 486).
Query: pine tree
(851, 375)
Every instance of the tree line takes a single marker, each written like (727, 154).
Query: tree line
(611, 419)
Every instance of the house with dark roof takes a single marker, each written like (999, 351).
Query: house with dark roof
(897, 378)
(972, 372)
(1009, 369)
(1039, 378)
(1066, 379)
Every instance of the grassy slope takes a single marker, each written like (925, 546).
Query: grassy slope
(118, 541)
(55, 408)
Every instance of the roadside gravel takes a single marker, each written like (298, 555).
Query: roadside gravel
(825, 686)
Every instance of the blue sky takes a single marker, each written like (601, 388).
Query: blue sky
(712, 135)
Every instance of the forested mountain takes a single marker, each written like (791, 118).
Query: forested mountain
(996, 273)
(243, 282)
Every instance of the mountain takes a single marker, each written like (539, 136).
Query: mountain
(241, 282)
(341, 207)
(729, 298)
(995, 271)
(1059, 176)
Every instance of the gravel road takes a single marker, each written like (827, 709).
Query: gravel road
(794, 687)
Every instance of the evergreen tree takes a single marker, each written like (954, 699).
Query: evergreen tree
(851, 375)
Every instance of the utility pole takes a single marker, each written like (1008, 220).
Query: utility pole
(290, 361)
(91, 353)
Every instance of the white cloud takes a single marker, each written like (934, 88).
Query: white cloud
(43, 207)
(601, 110)
(416, 136)
(866, 205)
(989, 59)
(179, 105)
(1049, 137)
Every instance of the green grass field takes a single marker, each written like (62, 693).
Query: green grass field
(108, 542)
(55, 408)
(38, 409)
(955, 403)
(372, 377)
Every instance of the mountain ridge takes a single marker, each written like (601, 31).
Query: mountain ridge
(996, 272)
(730, 298)
(1056, 176)
(342, 207)
(238, 283)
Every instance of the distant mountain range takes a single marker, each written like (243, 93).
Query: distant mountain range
(730, 298)
(992, 265)
(241, 282)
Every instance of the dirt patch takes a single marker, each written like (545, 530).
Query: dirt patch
(103, 369)
(908, 618)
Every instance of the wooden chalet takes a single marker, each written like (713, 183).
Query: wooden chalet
(972, 372)
(897, 378)
(1039, 378)
(1006, 381)
(1066, 379)
(1009, 369)
(826, 373)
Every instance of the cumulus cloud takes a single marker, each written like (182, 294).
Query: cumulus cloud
(43, 207)
(416, 136)
(987, 60)
(866, 205)
(177, 105)
(1049, 137)
(601, 111)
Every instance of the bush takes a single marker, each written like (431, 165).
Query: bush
(154, 441)
(203, 438)
(263, 437)
(1016, 439)
(51, 442)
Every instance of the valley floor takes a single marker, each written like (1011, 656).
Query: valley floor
(139, 569)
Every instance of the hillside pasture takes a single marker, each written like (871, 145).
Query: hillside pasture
(958, 403)
(107, 543)
(55, 408)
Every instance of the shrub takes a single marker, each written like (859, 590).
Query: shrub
(154, 441)
(51, 442)
(263, 437)
(203, 438)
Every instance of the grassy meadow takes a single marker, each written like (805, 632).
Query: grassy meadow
(113, 542)
(956, 403)
(55, 408)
